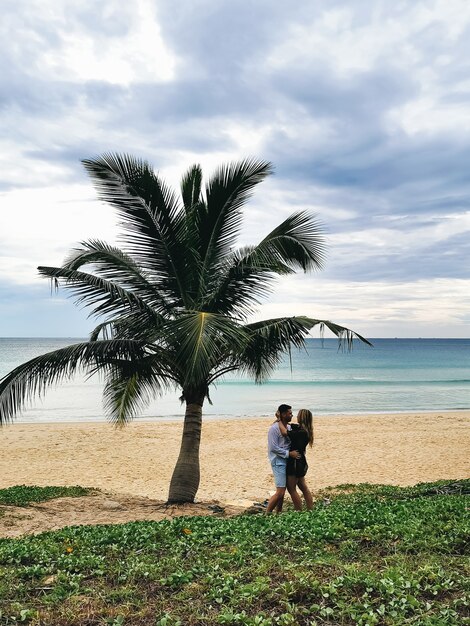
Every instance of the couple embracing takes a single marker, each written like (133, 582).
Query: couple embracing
(286, 450)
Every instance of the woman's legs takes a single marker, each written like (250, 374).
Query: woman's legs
(292, 489)
(306, 491)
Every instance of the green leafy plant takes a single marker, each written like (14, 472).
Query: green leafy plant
(409, 566)
(22, 495)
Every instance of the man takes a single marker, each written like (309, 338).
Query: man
(278, 453)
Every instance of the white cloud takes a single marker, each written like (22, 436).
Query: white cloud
(139, 56)
(429, 115)
(368, 241)
(426, 308)
(40, 226)
(84, 51)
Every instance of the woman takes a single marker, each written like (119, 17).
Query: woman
(300, 435)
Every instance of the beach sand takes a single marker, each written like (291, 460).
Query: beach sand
(400, 449)
(132, 467)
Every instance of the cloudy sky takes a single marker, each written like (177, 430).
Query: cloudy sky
(363, 107)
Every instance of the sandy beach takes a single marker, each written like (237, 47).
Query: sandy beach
(400, 449)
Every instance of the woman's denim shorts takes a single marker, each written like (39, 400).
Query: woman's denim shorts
(279, 471)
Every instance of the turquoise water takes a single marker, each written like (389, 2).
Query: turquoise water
(395, 375)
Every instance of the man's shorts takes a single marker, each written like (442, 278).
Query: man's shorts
(279, 471)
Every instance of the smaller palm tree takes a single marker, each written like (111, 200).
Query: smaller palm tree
(175, 300)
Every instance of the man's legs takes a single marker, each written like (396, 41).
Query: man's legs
(276, 500)
(279, 472)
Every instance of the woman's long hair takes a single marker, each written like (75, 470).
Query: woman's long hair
(305, 421)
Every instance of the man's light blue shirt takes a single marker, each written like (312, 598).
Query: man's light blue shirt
(278, 446)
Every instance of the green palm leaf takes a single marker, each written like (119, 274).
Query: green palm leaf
(152, 220)
(131, 385)
(35, 376)
(297, 243)
(201, 340)
(143, 325)
(90, 290)
(238, 284)
(225, 194)
(113, 265)
(247, 274)
(191, 184)
(346, 336)
(271, 339)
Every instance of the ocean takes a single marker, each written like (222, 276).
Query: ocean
(396, 375)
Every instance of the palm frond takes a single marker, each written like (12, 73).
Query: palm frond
(143, 326)
(345, 336)
(200, 340)
(195, 211)
(191, 187)
(131, 385)
(296, 243)
(226, 192)
(105, 330)
(90, 290)
(304, 324)
(117, 267)
(271, 339)
(152, 219)
(33, 377)
(238, 285)
(245, 277)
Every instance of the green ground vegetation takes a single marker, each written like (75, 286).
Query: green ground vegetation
(22, 495)
(366, 555)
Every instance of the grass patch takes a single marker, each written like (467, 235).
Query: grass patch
(22, 495)
(383, 556)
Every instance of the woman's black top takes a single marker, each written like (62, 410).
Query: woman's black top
(298, 441)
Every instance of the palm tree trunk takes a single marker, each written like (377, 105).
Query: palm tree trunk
(185, 480)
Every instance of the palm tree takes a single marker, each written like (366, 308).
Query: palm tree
(174, 301)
